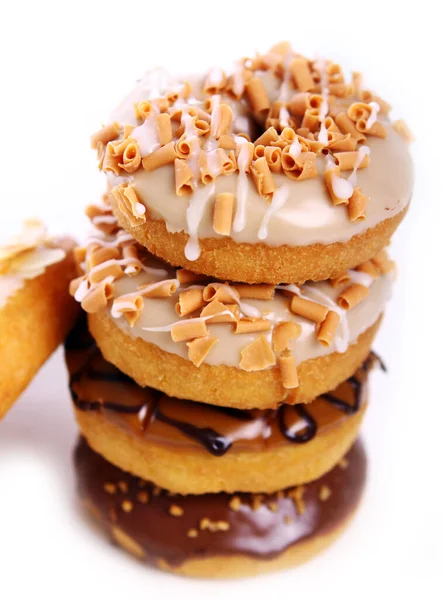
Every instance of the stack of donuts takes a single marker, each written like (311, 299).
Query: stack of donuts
(233, 283)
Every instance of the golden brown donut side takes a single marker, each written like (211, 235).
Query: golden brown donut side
(226, 259)
(221, 385)
(191, 472)
(33, 322)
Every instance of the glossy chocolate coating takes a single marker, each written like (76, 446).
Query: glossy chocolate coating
(97, 385)
(276, 522)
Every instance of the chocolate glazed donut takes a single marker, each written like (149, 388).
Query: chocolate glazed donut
(183, 533)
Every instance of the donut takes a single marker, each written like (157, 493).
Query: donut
(219, 535)
(223, 343)
(194, 448)
(36, 310)
(281, 171)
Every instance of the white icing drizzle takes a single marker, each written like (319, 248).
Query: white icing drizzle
(168, 328)
(342, 188)
(82, 291)
(242, 185)
(280, 197)
(194, 214)
(362, 153)
(246, 309)
(147, 136)
(373, 115)
(295, 148)
(213, 163)
(361, 277)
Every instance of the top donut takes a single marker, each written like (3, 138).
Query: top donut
(280, 171)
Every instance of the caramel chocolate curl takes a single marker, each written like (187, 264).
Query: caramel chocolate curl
(377, 129)
(283, 333)
(401, 127)
(131, 158)
(159, 289)
(129, 306)
(251, 325)
(308, 309)
(357, 205)
(328, 328)
(216, 308)
(347, 160)
(106, 134)
(100, 255)
(225, 117)
(257, 96)
(339, 142)
(220, 291)
(223, 213)
(189, 301)
(383, 262)
(340, 279)
(128, 202)
(263, 178)
(261, 291)
(346, 125)
(97, 299)
(163, 156)
(270, 135)
(164, 131)
(288, 369)
(184, 177)
(257, 356)
(189, 330)
(103, 270)
(352, 296)
(199, 349)
(300, 168)
(301, 74)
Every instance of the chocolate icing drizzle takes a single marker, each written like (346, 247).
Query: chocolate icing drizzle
(91, 376)
(261, 526)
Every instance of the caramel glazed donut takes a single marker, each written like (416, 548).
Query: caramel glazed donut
(219, 535)
(319, 189)
(193, 448)
(238, 345)
(36, 311)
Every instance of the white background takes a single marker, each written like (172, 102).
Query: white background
(64, 65)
